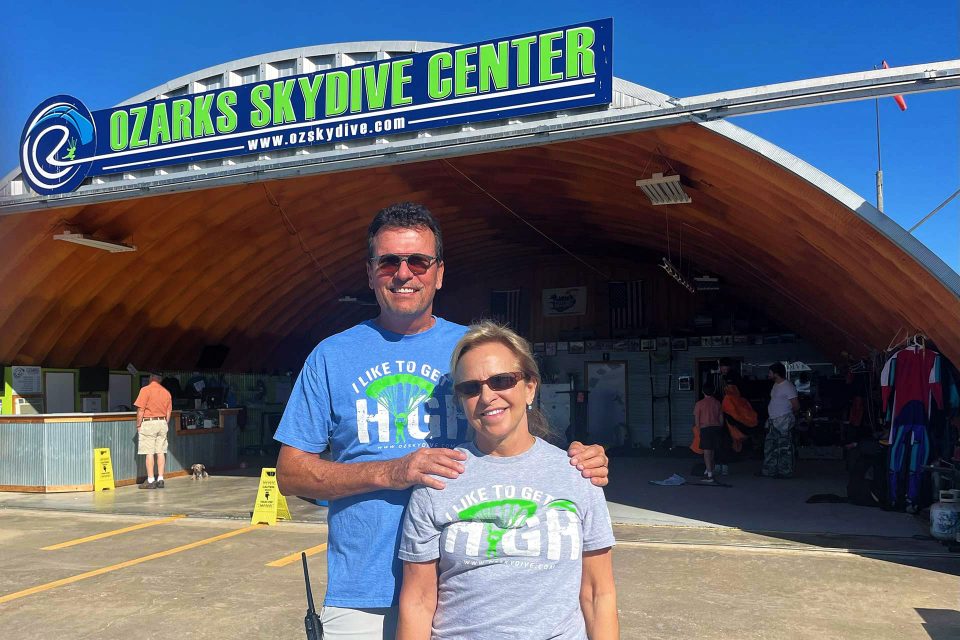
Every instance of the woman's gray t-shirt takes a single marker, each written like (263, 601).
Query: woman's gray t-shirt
(509, 533)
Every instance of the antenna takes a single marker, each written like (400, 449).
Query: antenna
(311, 621)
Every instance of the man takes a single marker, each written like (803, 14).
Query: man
(782, 411)
(378, 395)
(154, 406)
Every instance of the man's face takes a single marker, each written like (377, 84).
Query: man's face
(404, 295)
(770, 375)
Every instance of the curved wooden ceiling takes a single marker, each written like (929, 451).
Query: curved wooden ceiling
(226, 265)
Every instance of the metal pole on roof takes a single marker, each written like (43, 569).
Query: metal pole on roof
(876, 104)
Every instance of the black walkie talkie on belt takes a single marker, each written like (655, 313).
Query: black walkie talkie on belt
(311, 621)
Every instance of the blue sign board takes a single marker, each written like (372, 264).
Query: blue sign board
(557, 69)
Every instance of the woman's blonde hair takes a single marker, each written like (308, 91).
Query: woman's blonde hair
(486, 332)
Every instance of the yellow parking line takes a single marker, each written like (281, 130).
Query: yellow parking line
(107, 534)
(293, 557)
(123, 565)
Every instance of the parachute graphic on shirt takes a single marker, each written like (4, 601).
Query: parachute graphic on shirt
(502, 515)
(565, 505)
(498, 516)
(400, 394)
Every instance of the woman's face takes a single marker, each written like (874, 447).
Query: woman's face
(494, 415)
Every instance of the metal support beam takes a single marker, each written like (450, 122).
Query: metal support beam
(918, 78)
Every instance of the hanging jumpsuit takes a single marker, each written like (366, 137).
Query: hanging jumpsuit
(910, 383)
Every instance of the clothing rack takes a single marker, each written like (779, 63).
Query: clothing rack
(764, 365)
(918, 339)
(858, 367)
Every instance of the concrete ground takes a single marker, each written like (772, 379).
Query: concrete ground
(673, 583)
(751, 504)
(219, 496)
(751, 562)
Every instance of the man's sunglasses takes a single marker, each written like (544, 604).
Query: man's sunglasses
(499, 382)
(389, 263)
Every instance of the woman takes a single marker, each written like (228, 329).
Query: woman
(519, 545)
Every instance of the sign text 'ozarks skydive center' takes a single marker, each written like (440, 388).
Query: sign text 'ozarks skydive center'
(563, 68)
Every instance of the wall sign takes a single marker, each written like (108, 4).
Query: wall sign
(571, 301)
(26, 381)
(63, 142)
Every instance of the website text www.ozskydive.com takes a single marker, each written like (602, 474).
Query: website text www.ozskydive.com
(329, 133)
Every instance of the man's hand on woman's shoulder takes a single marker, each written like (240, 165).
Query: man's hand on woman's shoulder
(419, 467)
(592, 462)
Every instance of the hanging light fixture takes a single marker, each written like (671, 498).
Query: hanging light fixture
(664, 190)
(707, 283)
(667, 264)
(96, 243)
(674, 273)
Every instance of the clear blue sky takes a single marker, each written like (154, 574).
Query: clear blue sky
(106, 55)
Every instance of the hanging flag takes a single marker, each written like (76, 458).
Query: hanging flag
(626, 312)
(899, 98)
(505, 308)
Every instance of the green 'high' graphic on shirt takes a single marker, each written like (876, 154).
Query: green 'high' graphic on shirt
(400, 394)
(510, 513)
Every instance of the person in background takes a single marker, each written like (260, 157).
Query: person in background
(519, 545)
(728, 382)
(782, 411)
(729, 375)
(154, 407)
(708, 417)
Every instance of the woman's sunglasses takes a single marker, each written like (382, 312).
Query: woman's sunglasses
(389, 263)
(499, 382)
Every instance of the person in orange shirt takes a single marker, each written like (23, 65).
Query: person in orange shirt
(154, 406)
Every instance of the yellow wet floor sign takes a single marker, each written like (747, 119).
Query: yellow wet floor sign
(271, 505)
(102, 471)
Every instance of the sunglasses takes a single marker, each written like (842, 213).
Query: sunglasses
(389, 263)
(499, 382)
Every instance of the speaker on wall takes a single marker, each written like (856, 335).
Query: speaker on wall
(93, 380)
(212, 356)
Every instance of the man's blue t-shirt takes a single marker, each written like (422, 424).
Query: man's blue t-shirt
(370, 395)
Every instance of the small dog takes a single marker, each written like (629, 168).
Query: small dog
(199, 471)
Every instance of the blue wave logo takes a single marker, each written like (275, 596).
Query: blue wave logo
(58, 145)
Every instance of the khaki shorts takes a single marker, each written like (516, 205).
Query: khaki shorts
(153, 436)
(359, 624)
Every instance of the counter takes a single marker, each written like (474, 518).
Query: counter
(54, 452)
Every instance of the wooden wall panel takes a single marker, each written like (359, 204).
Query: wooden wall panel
(225, 266)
